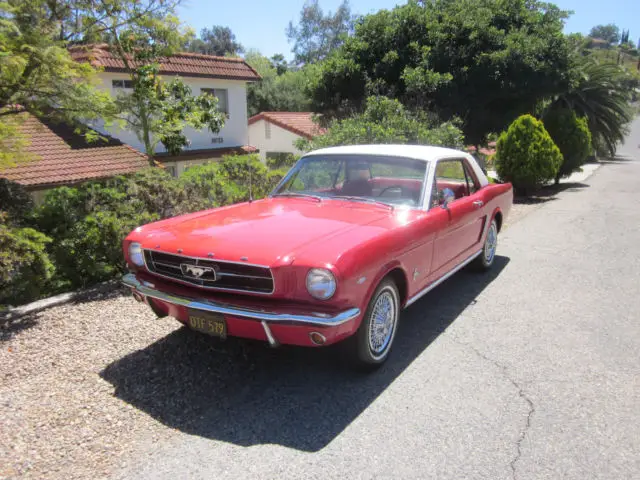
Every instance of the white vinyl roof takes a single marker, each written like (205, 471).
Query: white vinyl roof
(418, 152)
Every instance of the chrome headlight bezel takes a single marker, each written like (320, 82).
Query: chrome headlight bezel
(321, 283)
(136, 256)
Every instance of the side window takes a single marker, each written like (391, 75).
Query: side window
(450, 181)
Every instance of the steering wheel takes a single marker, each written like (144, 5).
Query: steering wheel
(389, 188)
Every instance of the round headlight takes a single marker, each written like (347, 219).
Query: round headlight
(135, 254)
(321, 283)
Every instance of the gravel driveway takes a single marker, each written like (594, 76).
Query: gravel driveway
(99, 388)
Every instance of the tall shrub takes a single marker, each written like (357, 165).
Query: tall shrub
(25, 267)
(88, 223)
(526, 155)
(572, 136)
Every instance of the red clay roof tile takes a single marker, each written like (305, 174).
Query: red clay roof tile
(61, 156)
(300, 123)
(184, 64)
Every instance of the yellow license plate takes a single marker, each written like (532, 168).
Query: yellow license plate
(209, 323)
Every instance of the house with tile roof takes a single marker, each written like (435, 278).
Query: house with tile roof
(56, 154)
(275, 133)
(225, 78)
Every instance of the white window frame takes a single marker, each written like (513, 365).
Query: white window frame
(267, 130)
(216, 92)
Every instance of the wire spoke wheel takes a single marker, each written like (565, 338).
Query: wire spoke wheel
(490, 243)
(383, 323)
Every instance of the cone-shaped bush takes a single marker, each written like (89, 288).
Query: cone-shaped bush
(572, 136)
(526, 155)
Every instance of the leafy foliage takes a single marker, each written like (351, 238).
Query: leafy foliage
(25, 267)
(601, 93)
(386, 120)
(610, 33)
(526, 155)
(158, 111)
(484, 61)
(280, 89)
(317, 34)
(15, 202)
(141, 33)
(571, 135)
(232, 180)
(217, 40)
(37, 73)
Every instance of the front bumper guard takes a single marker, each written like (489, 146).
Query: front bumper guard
(316, 319)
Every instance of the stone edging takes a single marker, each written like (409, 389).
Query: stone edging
(39, 305)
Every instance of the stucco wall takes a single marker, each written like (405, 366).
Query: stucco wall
(234, 133)
(281, 140)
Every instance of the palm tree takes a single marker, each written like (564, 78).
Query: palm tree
(601, 93)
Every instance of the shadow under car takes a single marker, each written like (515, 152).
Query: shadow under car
(246, 393)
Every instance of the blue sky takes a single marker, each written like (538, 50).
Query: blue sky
(261, 24)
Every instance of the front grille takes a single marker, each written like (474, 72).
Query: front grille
(212, 274)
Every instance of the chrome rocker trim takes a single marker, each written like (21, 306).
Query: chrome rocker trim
(147, 289)
(433, 285)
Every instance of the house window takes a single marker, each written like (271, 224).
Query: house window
(267, 130)
(222, 95)
(171, 170)
(122, 84)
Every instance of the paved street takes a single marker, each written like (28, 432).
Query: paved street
(529, 372)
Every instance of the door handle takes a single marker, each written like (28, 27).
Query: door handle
(478, 203)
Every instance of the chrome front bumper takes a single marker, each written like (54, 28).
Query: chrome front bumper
(148, 289)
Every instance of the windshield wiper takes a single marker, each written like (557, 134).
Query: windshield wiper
(298, 194)
(362, 199)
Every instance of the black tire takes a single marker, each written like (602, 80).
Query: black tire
(486, 258)
(364, 355)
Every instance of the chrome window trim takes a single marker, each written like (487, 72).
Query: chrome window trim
(419, 206)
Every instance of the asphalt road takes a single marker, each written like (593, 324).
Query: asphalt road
(529, 372)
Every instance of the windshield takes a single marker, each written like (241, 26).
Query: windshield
(390, 180)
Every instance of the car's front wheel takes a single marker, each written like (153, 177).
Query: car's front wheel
(377, 331)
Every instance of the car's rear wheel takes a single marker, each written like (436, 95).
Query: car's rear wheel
(372, 343)
(488, 255)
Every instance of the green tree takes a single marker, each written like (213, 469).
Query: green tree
(484, 61)
(217, 40)
(624, 38)
(385, 120)
(279, 63)
(141, 33)
(317, 34)
(526, 155)
(571, 134)
(600, 92)
(285, 92)
(38, 74)
(609, 32)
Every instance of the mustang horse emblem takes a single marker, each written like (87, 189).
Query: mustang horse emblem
(197, 272)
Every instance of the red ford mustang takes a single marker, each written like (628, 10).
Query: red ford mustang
(350, 237)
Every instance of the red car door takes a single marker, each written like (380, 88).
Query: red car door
(458, 190)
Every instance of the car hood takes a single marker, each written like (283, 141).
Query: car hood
(264, 232)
